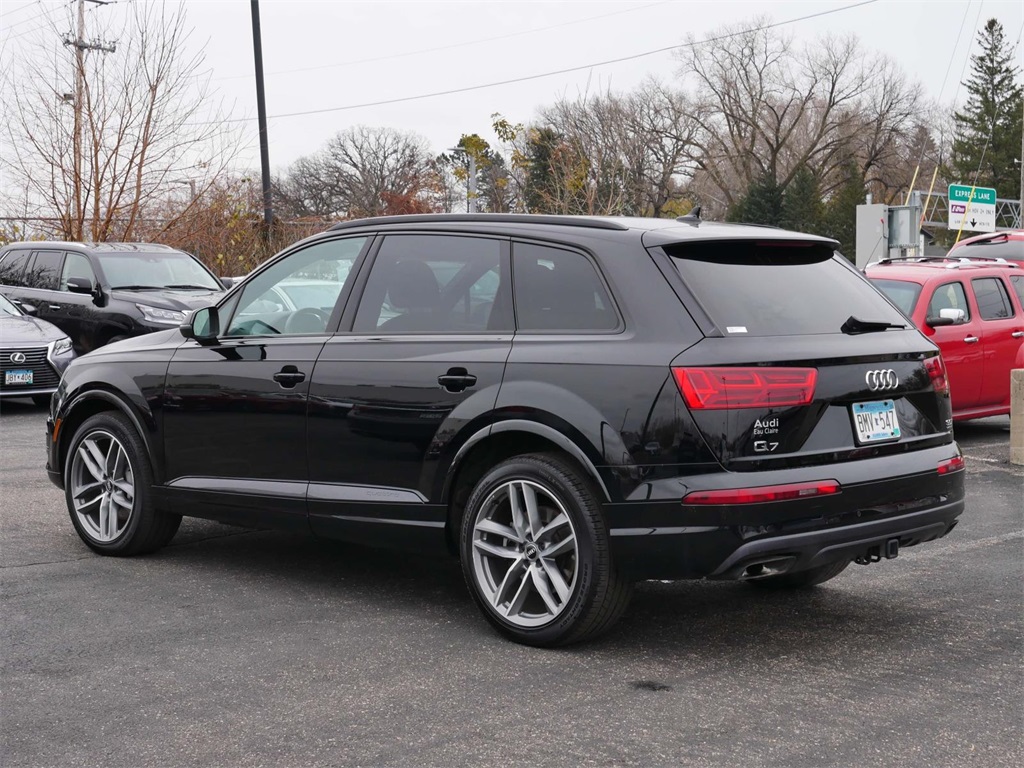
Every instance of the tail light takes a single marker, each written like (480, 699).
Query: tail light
(937, 373)
(764, 493)
(716, 388)
(956, 464)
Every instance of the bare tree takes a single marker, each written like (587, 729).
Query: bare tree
(765, 107)
(96, 147)
(362, 171)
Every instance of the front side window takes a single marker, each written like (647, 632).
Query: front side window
(76, 265)
(436, 284)
(1017, 281)
(993, 301)
(298, 294)
(949, 296)
(12, 268)
(559, 290)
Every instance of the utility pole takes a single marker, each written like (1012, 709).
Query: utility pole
(261, 110)
(81, 46)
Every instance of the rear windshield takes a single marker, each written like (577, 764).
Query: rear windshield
(778, 288)
(1011, 250)
(902, 293)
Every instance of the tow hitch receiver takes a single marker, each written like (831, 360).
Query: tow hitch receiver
(889, 550)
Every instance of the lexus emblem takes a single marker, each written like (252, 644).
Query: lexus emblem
(18, 357)
(879, 381)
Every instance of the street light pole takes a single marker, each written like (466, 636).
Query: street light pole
(261, 110)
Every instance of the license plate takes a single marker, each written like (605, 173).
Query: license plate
(876, 421)
(17, 377)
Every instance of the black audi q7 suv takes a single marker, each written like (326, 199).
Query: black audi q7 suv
(102, 292)
(568, 404)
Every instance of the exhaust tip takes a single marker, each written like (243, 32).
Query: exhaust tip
(762, 569)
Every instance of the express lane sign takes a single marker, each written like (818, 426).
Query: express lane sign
(972, 208)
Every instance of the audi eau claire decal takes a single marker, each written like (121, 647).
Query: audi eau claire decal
(882, 380)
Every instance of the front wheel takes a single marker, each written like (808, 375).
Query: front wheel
(535, 553)
(107, 485)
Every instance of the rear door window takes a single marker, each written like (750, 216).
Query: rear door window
(44, 272)
(993, 301)
(778, 288)
(436, 284)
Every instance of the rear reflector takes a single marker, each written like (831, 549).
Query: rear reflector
(937, 373)
(955, 464)
(764, 493)
(717, 388)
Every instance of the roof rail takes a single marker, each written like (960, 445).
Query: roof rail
(504, 218)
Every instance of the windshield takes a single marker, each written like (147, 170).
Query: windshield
(7, 308)
(902, 293)
(778, 288)
(155, 270)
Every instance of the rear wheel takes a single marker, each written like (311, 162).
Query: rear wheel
(535, 553)
(107, 486)
(800, 579)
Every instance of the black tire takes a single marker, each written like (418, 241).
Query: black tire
(802, 579)
(590, 593)
(43, 401)
(122, 460)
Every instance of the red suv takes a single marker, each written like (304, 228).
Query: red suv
(974, 311)
(1007, 244)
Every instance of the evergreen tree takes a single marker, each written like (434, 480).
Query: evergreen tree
(840, 219)
(762, 203)
(988, 130)
(802, 209)
(540, 182)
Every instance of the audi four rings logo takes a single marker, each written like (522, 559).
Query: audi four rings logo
(878, 381)
(18, 357)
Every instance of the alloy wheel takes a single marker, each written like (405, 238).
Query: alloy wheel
(102, 486)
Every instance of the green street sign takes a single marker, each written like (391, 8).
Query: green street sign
(961, 193)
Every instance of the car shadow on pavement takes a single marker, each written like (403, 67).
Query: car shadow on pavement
(717, 618)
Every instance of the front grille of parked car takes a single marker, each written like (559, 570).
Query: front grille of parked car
(43, 375)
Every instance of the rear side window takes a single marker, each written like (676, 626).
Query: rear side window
(949, 296)
(1017, 281)
(777, 288)
(12, 268)
(559, 290)
(902, 293)
(993, 301)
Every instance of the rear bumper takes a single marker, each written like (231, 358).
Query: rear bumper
(662, 538)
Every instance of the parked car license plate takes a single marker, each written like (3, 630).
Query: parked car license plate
(876, 421)
(17, 377)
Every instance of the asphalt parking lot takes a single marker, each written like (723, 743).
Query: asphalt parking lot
(240, 648)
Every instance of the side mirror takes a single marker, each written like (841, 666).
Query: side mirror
(79, 285)
(227, 282)
(947, 316)
(203, 325)
(28, 309)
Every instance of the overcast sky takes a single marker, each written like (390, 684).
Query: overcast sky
(333, 55)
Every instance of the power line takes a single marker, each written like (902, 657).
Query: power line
(422, 51)
(541, 75)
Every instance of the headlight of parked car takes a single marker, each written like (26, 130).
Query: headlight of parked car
(162, 316)
(60, 354)
(60, 347)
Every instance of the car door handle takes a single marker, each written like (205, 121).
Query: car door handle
(971, 340)
(456, 380)
(1018, 334)
(289, 376)
(56, 307)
